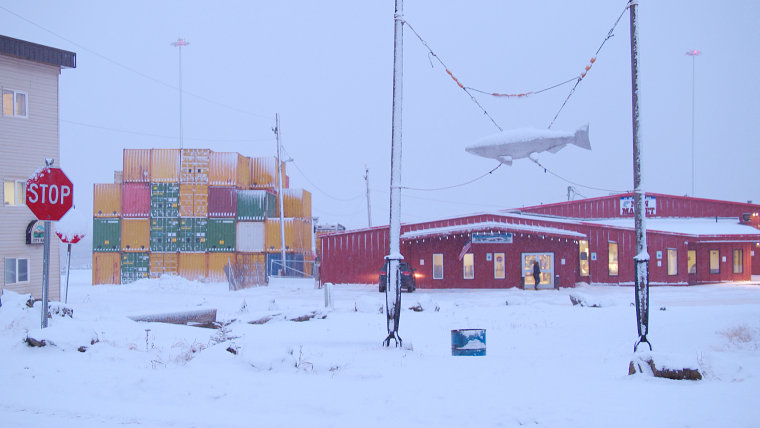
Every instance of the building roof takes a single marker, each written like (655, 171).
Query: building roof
(491, 226)
(38, 53)
(697, 227)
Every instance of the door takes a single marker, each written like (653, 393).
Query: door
(545, 263)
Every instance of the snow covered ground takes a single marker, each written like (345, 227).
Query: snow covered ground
(548, 363)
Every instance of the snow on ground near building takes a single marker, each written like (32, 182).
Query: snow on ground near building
(548, 363)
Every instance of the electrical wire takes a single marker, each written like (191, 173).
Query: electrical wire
(291, 160)
(133, 70)
(547, 170)
(167, 137)
(456, 185)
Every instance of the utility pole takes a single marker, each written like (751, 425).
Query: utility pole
(693, 54)
(279, 180)
(393, 287)
(369, 205)
(641, 259)
(179, 43)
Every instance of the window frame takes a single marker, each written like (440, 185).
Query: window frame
(715, 270)
(581, 260)
(672, 263)
(740, 259)
(14, 103)
(503, 265)
(16, 262)
(440, 256)
(468, 259)
(19, 192)
(691, 260)
(610, 245)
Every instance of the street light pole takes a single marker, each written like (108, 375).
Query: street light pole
(693, 53)
(179, 43)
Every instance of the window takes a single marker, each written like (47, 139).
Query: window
(613, 258)
(437, 266)
(738, 261)
(583, 257)
(714, 261)
(16, 271)
(691, 255)
(14, 103)
(672, 261)
(468, 265)
(14, 192)
(499, 271)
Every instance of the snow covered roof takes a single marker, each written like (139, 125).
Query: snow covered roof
(491, 225)
(703, 227)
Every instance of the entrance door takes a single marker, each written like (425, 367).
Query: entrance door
(545, 263)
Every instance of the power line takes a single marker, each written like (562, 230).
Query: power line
(167, 137)
(456, 185)
(133, 70)
(353, 198)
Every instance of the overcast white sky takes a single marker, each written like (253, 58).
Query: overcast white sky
(326, 67)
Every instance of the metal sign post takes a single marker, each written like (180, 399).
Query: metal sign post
(45, 274)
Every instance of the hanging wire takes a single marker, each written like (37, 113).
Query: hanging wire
(547, 170)
(291, 160)
(166, 137)
(578, 80)
(456, 185)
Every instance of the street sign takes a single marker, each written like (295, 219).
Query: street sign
(49, 194)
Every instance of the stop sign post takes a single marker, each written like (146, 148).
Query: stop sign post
(50, 195)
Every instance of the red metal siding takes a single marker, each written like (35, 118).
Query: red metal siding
(135, 200)
(222, 202)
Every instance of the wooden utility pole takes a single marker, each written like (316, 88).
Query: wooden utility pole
(279, 180)
(369, 205)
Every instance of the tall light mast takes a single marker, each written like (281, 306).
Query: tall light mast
(179, 43)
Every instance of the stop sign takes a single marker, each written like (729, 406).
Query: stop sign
(49, 194)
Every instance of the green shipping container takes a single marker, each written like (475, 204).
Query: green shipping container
(252, 205)
(134, 266)
(192, 234)
(106, 234)
(164, 200)
(272, 205)
(220, 236)
(164, 235)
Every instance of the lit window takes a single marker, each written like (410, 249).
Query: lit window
(14, 192)
(16, 271)
(672, 262)
(692, 261)
(583, 257)
(468, 264)
(738, 261)
(499, 271)
(714, 261)
(14, 103)
(437, 266)
(613, 258)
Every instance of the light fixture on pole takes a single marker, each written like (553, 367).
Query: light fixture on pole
(179, 43)
(693, 53)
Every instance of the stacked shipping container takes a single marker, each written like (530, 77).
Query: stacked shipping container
(193, 211)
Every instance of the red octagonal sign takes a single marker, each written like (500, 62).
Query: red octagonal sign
(49, 194)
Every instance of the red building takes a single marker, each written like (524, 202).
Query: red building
(690, 241)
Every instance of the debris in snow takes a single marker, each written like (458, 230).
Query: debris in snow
(34, 343)
(266, 319)
(580, 300)
(202, 316)
(233, 351)
(309, 316)
(416, 308)
(644, 363)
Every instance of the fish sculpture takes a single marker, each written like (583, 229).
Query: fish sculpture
(521, 143)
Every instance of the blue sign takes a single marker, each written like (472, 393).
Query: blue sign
(492, 238)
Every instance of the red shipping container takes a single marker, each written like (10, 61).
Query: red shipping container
(135, 200)
(222, 202)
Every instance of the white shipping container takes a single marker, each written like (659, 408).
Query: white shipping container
(250, 236)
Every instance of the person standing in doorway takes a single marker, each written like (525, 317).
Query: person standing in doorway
(536, 274)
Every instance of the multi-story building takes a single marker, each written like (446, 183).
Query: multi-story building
(29, 133)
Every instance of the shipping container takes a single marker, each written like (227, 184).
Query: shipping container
(252, 268)
(220, 236)
(194, 166)
(134, 266)
(106, 200)
(193, 200)
(250, 236)
(164, 200)
(106, 235)
(297, 235)
(193, 266)
(222, 202)
(297, 203)
(106, 268)
(135, 200)
(164, 233)
(164, 165)
(255, 204)
(118, 177)
(216, 263)
(192, 234)
(163, 264)
(229, 169)
(136, 166)
(294, 264)
(135, 234)
(264, 173)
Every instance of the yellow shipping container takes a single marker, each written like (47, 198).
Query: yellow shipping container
(193, 200)
(194, 166)
(135, 234)
(163, 264)
(164, 165)
(193, 266)
(297, 203)
(229, 169)
(136, 166)
(106, 268)
(264, 173)
(216, 264)
(106, 200)
(297, 235)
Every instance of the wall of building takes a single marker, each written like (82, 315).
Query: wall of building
(24, 145)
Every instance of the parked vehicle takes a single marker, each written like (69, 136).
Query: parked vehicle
(407, 277)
